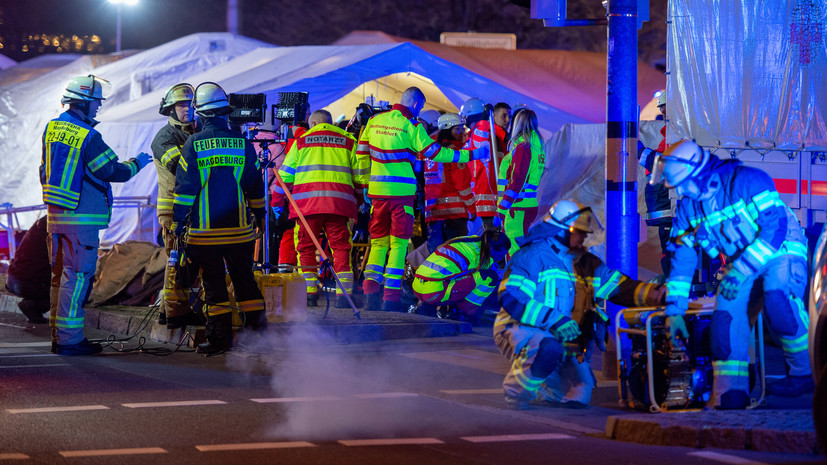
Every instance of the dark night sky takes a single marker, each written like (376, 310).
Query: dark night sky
(311, 22)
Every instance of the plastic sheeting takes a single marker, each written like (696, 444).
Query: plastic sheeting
(748, 73)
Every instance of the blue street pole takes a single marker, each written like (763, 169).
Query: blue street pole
(622, 222)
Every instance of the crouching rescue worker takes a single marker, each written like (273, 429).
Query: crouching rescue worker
(76, 170)
(735, 210)
(549, 317)
(322, 173)
(463, 272)
(217, 181)
(166, 151)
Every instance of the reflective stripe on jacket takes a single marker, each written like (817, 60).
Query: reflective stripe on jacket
(392, 141)
(448, 192)
(321, 171)
(218, 179)
(166, 151)
(520, 173)
(485, 183)
(75, 171)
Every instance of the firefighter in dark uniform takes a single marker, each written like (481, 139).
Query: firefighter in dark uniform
(166, 151)
(217, 183)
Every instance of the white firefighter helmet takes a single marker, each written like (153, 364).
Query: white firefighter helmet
(182, 92)
(84, 89)
(681, 161)
(472, 106)
(449, 120)
(570, 215)
(662, 97)
(430, 117)
(211, 98)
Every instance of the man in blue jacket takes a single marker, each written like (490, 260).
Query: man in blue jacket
(76, 170)
(549, 316)
(730, 209)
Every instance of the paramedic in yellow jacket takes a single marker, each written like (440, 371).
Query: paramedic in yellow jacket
(393, 141)
(322, 174)
(217, 181)
(520, 172)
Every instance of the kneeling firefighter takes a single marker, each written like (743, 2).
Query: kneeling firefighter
(463, 272)
(217, 180)
(549, 316)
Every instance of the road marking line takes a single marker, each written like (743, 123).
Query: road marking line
(13, 456)
(36, 366)
(254, 446)
(177, 403)
(385, 395)
(12, 345)
(13, 326)
(105, 452)
(272, 400)
(28, 355)
(517, 437)
(76, 408)
(718, 457)
(476, 359)
(389, 442)
(472, 391)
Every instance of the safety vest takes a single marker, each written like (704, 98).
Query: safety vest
(322, 169)
(452, 261)
(166, 150)
(520, 173)
(485, 183)
(448, 192)
(218, 179)
(75, 171)
(392, 141)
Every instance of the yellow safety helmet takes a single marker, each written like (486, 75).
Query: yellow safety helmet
(181, 92)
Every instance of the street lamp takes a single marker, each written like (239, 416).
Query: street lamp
(118, 4)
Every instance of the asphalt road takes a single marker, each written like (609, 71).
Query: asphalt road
(305, 401)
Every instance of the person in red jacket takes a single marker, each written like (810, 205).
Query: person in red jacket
(485, 180)
(449, 199)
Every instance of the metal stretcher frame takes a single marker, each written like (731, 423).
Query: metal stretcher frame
(757, 336)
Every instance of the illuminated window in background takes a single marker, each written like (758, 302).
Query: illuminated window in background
(60, 43)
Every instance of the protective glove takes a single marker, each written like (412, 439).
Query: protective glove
(483, 152)
(565, 329)
(142, 160)
(177, 229)
(675, 325)
(367, 199)
(498, 222)
(731, 284)
(276, 211)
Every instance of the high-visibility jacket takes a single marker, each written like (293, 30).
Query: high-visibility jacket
(166, 150)
(452, 261)
(75, 171)
(745, 220)
(448, 192)
(520, 172)
(485, 183)
(393, 140)
(322, 172)
(218, 179)
(658, 203)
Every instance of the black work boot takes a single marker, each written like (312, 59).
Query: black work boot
(256, 321)
(374, 302)
(83, 347)
(219, 335)
(313, 300)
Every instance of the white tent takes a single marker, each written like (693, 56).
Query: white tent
(337, 78)
(6, 62)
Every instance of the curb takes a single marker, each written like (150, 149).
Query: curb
(783, 431)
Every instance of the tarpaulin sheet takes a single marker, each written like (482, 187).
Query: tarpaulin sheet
(747, 73)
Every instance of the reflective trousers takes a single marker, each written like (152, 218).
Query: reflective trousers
(238, 260)
(534, 355)
(74, 258)
(338, 240)
(517, 222)
(391, 225)
(176, 294)
(785, 278)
